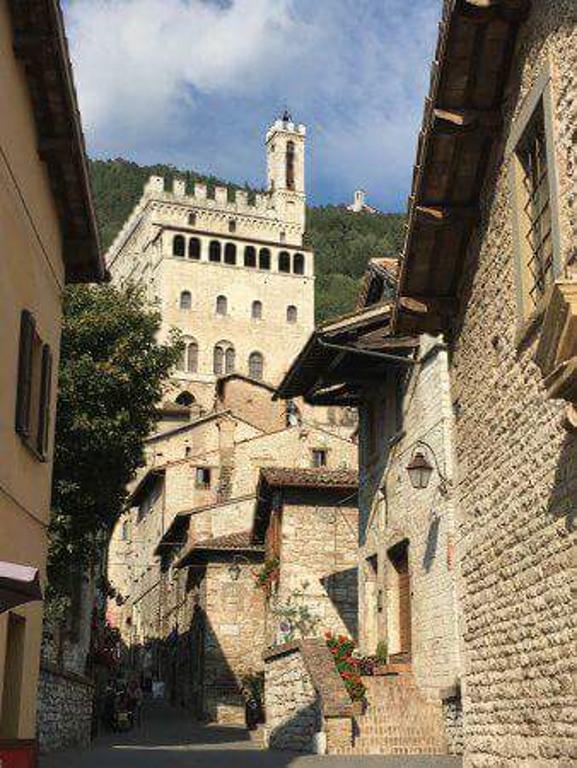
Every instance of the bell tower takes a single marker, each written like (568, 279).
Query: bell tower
(285, 151)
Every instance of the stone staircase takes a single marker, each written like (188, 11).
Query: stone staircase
(398, 719)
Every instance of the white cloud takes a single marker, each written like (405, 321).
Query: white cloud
(136, 61)
(193, 81)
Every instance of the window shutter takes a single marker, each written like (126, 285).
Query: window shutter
(44, 405)
(24, 387)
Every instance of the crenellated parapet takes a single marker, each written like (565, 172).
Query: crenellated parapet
(223, 198)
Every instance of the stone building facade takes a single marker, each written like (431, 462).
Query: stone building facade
(228, 269)
(307, 519)
(407, 569)
(504, 309)
(488, 264)
(181, 559)
(408, 529)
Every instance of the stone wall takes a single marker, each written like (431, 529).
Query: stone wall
(453, 720)
(293, 711)
(234, 639)
(517, 460)
(65, 702)
(307, 706)
(318, 560)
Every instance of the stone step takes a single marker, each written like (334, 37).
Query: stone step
(398, 720)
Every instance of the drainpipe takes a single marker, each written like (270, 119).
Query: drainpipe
(368, 353)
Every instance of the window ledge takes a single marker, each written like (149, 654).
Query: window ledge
(528, 328)
(31, 449)
(556, 354)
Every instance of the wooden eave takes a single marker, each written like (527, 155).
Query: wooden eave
(339, 371)
(462, 117)
(40, 44)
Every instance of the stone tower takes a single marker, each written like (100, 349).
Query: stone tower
(285, 148)
(230, 271)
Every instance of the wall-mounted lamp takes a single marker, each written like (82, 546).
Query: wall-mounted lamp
(420, 469)
(234, 569)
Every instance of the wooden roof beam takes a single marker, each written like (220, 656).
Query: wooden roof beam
(441, 306)
(485, 11)
(446, 215)
(463, 122)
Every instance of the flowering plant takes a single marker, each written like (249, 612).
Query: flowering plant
(268, 574)
(295, 616)
(348, 666)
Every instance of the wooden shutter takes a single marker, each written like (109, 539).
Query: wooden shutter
(44, 404)
(24, 386)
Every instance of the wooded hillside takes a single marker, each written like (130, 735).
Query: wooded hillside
(343, 241)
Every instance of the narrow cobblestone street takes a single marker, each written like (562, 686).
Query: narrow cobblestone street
(167, 739)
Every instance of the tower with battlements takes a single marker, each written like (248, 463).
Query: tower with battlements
(228, 269)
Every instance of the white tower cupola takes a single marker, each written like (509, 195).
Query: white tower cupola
(285, 147)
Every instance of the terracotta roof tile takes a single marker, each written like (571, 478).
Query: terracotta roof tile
(230, 541)
(310, 477)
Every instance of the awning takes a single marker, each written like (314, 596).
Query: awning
(19, 584)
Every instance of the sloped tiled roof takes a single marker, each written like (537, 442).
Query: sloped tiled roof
(310, 477)
(230, 541)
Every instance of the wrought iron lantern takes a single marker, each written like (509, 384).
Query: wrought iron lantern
(234, 571)
(420, 470)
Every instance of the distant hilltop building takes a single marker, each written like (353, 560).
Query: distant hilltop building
(359, 204)
(230, 271)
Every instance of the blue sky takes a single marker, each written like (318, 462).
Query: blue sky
(195, 83)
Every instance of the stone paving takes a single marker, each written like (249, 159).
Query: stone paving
(167, 739)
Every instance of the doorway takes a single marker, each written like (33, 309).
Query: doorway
(401, 600)
(13, 673)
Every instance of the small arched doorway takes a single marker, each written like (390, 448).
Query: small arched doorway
(400, 602)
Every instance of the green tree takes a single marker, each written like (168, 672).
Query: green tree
(111, 374)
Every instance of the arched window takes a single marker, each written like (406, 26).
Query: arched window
(284, 261)
(290, 165)
(291, 314)
(192, 219)
(223, 358)
(185, 300)
(214, 251)
(218, 360)
(185, 398)
(232, 225)
(189, 360)
(230, 253)
(192, 357)
(250, 256)
(194, 248)
(178, 246)
(221, 305)
(299, 264)
(229, 360)
(264, 258)
(256, 310)
(256, 366)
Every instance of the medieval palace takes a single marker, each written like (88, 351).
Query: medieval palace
(231, 273)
